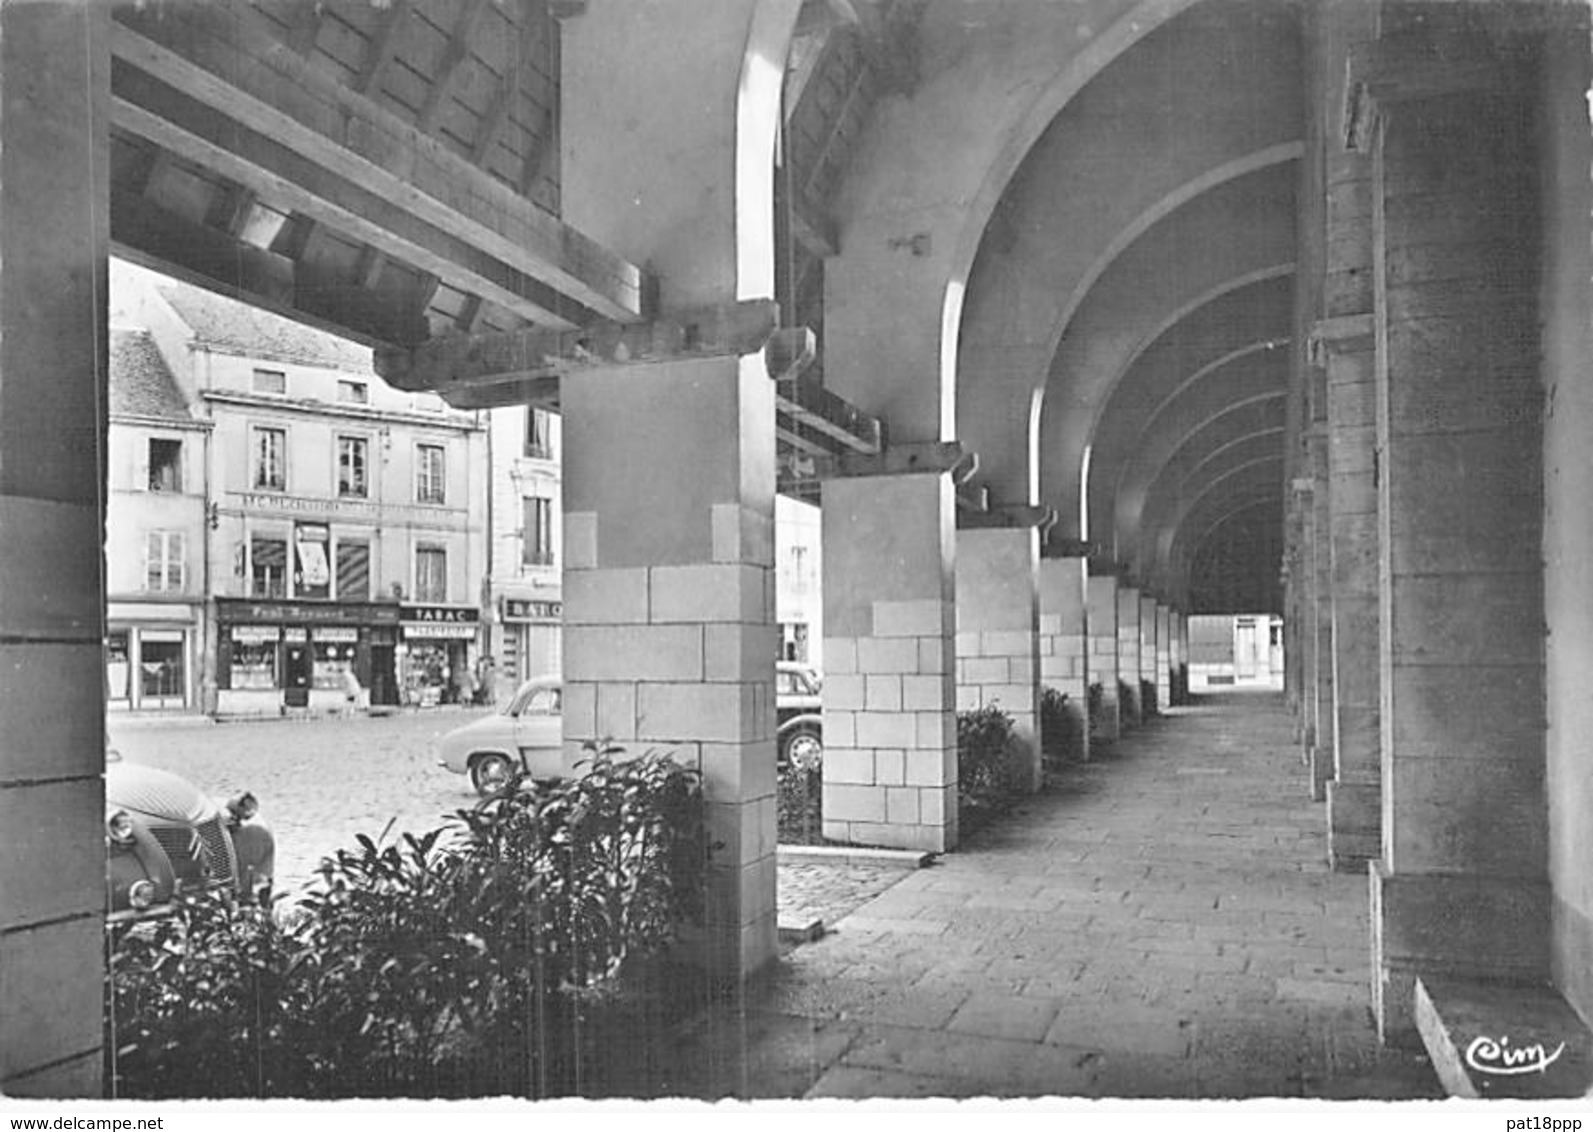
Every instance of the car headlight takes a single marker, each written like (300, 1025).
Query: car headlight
(141, 894)
(119, 827)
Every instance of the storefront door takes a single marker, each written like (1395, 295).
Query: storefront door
(297, 672)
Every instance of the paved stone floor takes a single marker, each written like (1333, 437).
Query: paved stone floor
(1158, 923)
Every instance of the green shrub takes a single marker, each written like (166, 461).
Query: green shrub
(1127, 698)
(1147, 698)
(799, 804)
(1061, 729)
(1097, 710)
(987, 765)
(461, 962)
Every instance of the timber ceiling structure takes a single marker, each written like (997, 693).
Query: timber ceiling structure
(391, 172)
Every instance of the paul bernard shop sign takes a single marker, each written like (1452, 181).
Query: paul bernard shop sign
(447, 622)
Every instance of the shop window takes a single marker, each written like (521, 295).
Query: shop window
(353, 570)
(160, 666)
(353, 392)
(536, 533)
(539, 434)
(117, 686)
(430, 474)
(268, 564)
(271, 381)
(352, 452)
(270, 459)
(431, 573)
(253, 662)
(333, 659)
(164, 562)
(165, 464)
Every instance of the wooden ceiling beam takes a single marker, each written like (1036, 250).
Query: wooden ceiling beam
(382, 48)
(292, 182)
(285, 99)
(445, 364)
(448, 66)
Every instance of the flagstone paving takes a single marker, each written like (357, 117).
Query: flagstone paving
(1160, 922)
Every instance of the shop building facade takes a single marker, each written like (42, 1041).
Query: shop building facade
(156, 577)
(525, 604)
(338, 532)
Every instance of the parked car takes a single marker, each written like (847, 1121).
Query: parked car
(527, 732)
(799, 712)
(163, 836)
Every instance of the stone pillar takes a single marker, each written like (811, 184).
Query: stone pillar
(998, 620)
(1353, 790)
(1101, 620)
(1065, 641)
(890, 723)
(1148, 645)
(1320, 754)
(54, 239)
(1343, 343)
(1461, 887)
(669, 628)
(1164, 655)
(1130, 709)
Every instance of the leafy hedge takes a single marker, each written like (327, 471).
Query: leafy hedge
(1062, 729)
(988, 774)
(461, 962)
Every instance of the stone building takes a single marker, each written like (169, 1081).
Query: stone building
(332, 526)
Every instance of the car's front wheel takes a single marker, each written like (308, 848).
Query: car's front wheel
(490, 773)
(802, 749)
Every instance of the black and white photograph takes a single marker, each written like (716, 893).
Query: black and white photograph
(963, 555)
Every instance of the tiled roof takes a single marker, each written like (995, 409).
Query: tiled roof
(237, 328)
(141, 383)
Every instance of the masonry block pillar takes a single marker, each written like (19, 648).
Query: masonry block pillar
(669, 629)
(1320, 754)
(998, 641)
(1065, 641)
(1101, 621)
(1149, 704)
(54, 240)
(890, 716)
(1164, 655)
(1354, 792)
(1130, 706)
(1461, 887)
(1343, 347)
(1178, 656)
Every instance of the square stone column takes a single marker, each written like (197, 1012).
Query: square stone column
(1129, 647)
(1101, 620)
(1148, 645)
(890, 722)
(998, 643)
(1321, 752)
(1461, 888)
(1164, 655)
(54, 240)
(1065, 640)
(1354, 792)
(669, 629)
(1178, 660)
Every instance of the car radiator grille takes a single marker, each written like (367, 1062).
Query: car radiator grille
(206, 858)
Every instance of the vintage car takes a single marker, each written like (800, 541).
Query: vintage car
(526, 733)
(164, 836)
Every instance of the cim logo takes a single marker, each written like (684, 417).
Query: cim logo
(1496, 1056)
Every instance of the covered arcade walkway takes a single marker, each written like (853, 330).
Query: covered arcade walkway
(1161, 922)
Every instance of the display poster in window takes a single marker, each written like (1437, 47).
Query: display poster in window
(312, 575)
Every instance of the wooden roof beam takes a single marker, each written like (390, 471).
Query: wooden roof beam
(456, 362)
(284, 99)
(448, 66)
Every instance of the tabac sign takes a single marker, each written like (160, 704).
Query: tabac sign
(451, 622)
